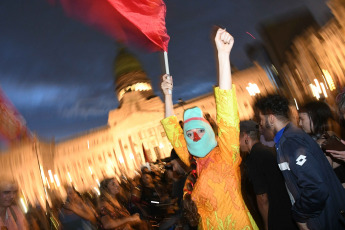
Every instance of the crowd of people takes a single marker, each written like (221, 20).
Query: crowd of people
(151, 200)
(265, 173)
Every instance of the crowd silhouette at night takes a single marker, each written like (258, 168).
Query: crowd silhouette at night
(154, 198)
(233, 180)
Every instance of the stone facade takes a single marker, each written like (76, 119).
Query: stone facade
(316, 59)
(132, 137)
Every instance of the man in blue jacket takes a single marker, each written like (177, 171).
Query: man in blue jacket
(317, 197)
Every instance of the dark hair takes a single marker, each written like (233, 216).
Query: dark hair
(192, 177)
(274, 104)
(341, 101)
(104, 184)
(319, 114)
(251, 128)
(174, 156)
(189, 207)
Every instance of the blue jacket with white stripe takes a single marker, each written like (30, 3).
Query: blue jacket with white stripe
(317, 196)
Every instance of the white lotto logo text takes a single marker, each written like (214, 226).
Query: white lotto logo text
(301, 160)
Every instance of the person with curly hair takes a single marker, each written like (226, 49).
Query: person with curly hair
(318, 198)
(217, 190)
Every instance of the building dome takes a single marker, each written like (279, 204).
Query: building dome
(130, 76)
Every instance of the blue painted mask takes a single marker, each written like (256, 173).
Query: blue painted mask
(193, 119)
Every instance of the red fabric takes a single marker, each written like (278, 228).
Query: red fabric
(196, 137)
(196, 118)
(12, 124)
(139, 21)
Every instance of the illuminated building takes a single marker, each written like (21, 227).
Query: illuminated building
(311, 61)
(132, 136)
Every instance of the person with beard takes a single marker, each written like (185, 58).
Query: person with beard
(217, 190)
(318, 198)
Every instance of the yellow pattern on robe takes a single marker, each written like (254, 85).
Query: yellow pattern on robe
(217, 192)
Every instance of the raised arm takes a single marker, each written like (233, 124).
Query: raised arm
(225, 94)
(170, 124)
(224, 42)
(167, 86)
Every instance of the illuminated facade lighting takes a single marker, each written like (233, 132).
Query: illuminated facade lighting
(296, 104)
(57, 181)
(318, 89)
(329, 80)
(252, 89)
(47, 182)
(51, 176)
(315, 91)
(25, 209)
(317, 86)
(97, 191)
(121, 160)
(69, 177)
(42, 174)
(323, 90)
(136, 87)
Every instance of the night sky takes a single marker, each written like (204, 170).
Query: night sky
(58, 72)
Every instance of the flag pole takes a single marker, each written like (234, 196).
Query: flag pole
(166, 62)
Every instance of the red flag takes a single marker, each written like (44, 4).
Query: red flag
(139, 21)
(12, 124)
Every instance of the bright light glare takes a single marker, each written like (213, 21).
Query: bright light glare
(329, 80)
(121, 160)
(23, 205)
(51, 176)
(323, 89)
(57, 181)
(317, 86)
(315, 91)
(47, 182)
(252, 89)
(69, 176)
(97, 190)
(296, 104)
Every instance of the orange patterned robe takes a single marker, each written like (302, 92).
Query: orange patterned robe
(217, 192)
